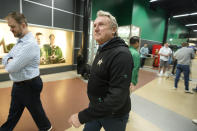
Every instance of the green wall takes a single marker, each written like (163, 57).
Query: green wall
(152, 23)
(138, 13)
(121, 9)
(174, 29)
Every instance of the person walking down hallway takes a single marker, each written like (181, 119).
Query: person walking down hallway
(22, 64)
(164, 53)
(143, 54)
(134, 44)
(109, 84)
(183, 56)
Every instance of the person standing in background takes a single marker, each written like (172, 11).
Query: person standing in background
(143, 55)
(39, 37)
(134, 45)
(108, 87)
(22, 64)
(164, 53)
(183, 56)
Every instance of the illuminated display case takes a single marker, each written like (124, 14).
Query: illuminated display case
(125, 32)
(56, 46)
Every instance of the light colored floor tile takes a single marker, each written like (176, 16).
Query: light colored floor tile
(137, 123)
(160, 91)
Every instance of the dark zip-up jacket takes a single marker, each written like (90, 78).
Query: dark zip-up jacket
(108, 86)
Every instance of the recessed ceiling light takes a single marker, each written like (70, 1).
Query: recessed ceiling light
(153, 0)
(183, 15)
(191, 25)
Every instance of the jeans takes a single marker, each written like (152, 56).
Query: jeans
(109, 124)
(186, 70)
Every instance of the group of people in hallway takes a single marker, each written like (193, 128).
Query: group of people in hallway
(108, 86)
(182, 62)
(114, 70)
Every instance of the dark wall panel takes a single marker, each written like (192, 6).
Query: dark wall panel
(45, 2)
(63, 20)
(7, 6)
(79, 7)
(37, 14)
(68, 5)
(78, 23)
(78, 39)
(75, 55)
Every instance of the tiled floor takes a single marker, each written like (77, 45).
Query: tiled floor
(155, 106)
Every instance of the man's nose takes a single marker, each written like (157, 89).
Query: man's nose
(96, 28)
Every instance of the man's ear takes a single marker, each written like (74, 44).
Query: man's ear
(24, 25)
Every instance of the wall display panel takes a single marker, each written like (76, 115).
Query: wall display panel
(44, 2)
(37, 14)
(63, 20)
(7, 6)
(126, 32)
(68, 5)
(56, 46)
(78, 23)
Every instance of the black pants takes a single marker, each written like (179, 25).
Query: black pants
(109, 124)
(26, 94)
(142, 61)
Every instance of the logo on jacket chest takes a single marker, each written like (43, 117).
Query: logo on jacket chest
(100, 62)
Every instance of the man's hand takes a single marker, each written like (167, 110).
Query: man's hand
(132, 87)
(74, 120)
(9, 59)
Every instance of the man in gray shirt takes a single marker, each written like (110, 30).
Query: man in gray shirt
(183, 56)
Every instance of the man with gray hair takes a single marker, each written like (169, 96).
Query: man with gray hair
(108, 86)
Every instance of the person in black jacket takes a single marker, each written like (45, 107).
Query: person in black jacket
(108, 86)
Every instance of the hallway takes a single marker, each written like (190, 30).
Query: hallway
(155, 106)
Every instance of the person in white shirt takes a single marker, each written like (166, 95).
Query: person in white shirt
(164, 53)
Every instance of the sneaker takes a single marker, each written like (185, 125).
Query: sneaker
(159, 74)
(188, 91)
(194, 89)
(166, 74)
(194, 121)
(174, 88)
